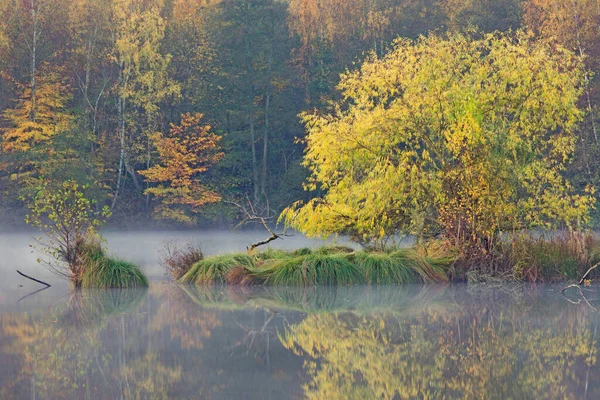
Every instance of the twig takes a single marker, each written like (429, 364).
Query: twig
(33, 279)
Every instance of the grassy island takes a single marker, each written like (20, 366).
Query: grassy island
(324, 266)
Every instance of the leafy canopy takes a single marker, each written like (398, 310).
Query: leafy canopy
(69, 220)
(462, 135)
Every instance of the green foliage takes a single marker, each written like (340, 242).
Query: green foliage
(334, 249)
(68, 219)
(465, 135)
(302, 252)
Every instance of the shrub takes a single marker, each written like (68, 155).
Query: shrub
(178, 261)
(68, 220)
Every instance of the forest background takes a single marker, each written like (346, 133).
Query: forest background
(97, 90)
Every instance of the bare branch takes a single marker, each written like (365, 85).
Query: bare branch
(252, 213)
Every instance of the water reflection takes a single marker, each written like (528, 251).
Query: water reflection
(318, 343)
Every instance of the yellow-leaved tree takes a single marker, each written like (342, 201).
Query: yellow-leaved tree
(464, 136)
(185, 154)
(51, 115)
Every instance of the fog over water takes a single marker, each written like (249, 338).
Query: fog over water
(223, 342)
(140, 247)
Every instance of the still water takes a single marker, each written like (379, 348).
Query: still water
(171, 342)
(175, 341)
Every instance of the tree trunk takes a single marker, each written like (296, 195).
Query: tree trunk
(249, 72)
(265, 160)
(121, 106)
(33, 51)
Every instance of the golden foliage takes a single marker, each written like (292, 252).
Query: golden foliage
(467, 136)
(187, 152)
(30, 128)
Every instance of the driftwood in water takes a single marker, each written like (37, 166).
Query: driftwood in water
(578, 287)
(33, 279)
(582, 280)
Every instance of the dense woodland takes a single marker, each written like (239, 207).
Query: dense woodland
(99, 91)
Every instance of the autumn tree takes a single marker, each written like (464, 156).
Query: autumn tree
(51, 115)
(143, 82)
(460, 136)
(574, 25)
(68, 219)
(186, 153)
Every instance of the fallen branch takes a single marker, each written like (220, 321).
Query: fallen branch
(251, 214)
(263, 242)
(578, 287)
(33, 279)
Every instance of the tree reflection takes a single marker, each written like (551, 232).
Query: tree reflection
(481, 352)
(319, 343)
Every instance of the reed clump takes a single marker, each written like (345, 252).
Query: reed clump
(560, 257)
(103, 272)
(310, 270)
(216, 269)
(321, 267)
(400, 266)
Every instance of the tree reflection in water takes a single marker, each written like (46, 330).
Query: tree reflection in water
(360, 342)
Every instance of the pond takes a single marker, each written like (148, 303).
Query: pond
(413, 341)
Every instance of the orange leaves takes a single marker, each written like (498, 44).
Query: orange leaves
(189, 150)
(50, 119)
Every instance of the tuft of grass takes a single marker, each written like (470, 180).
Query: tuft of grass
(98, 271)
(398, 267)
(304, 251)
(109, 273)
(215, 269)
(270, 254)
(334, 249)
(309, 270)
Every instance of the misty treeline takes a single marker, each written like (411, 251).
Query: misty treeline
(98, 91)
